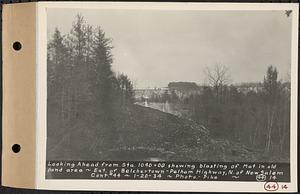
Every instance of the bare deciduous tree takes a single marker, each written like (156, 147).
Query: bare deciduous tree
(217, 77)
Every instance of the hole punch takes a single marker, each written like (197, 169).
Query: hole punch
(17, 46)
(16, 148)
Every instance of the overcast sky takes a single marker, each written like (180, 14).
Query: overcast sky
(157, 47)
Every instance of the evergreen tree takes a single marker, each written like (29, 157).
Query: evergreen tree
(105, 82)
(126, 89)
(271, 96)
(271, 85)
(58, 68)
(78, 39)
(80, 90)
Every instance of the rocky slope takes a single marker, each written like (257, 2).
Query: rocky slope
(141, 133)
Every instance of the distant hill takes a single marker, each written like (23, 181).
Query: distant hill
(183, 86)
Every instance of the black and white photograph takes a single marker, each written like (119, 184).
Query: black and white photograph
(182, 86)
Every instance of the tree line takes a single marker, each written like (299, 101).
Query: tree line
(81, 83)
(258, 118)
